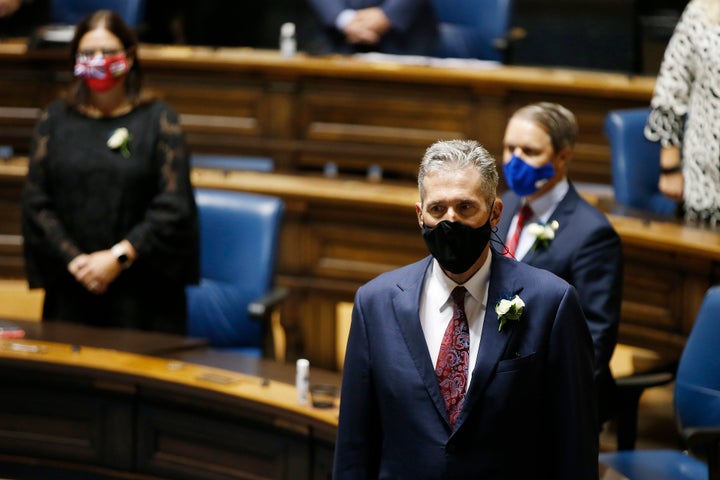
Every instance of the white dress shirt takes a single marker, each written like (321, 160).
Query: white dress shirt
(436, 308)
(542, 208)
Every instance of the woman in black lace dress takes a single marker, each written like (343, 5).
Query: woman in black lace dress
(109, 218)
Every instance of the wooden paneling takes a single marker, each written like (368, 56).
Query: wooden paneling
(307, 111)
(339, 233)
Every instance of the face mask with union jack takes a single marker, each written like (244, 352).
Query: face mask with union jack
(101, 73)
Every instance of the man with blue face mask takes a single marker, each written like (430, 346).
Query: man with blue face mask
(548, 225)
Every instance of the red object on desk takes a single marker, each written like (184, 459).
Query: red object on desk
(10, 330)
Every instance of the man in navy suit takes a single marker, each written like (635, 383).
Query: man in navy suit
(389, 26)
(585, 249)
(521, 406)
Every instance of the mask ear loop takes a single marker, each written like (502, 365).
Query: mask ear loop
(503, 249)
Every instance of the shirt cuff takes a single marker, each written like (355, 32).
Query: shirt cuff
(345, 17)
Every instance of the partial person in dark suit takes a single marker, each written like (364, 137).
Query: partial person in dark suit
(20, 18)
(389, 26)
(564, 234)
(494, 381)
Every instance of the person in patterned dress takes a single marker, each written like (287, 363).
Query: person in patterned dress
(685, 113)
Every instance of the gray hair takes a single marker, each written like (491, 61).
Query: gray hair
(557, 121)
(456, 155)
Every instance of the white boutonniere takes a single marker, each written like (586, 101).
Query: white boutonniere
(120, 140)
(509, 309)
(544, 233)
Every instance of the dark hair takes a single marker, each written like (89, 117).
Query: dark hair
(557, 121)
(78, 92)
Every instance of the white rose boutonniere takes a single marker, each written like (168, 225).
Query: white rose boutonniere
(509, 309)
(544, 233)
(120, 140)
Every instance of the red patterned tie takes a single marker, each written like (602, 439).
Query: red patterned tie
(525, 214)
(452, 363)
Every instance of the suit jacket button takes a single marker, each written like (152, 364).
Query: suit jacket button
(450, 448)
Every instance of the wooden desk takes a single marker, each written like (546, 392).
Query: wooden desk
(114, 414)
(107, 414)
(148, 343)
(307, 111)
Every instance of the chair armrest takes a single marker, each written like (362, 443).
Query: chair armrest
(706, 440)
(261, 308)
(644, 380)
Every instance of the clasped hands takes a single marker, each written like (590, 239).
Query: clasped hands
(367, 26)
(95, 271)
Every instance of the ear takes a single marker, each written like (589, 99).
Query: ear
(560, 163)
(496, 213)
(418, 211)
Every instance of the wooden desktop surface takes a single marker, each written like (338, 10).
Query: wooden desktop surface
(70, 407)
(87, 406)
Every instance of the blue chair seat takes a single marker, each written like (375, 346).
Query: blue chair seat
(655, 465)
(70, 12)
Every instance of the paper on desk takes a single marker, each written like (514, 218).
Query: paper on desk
(463, 63)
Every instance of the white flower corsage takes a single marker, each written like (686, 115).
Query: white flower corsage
(509, 309)
(544, 233)
(120, 140)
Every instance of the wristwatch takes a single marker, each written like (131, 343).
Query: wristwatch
(121, 255)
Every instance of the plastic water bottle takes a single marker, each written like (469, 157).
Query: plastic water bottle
(288, 43)
(302, 379)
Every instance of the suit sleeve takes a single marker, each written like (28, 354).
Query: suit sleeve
(402, 13)
(358, 437)
(572, 415)
(597, 276)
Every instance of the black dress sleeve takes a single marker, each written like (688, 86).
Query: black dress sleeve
(167, 238)
(47, 246)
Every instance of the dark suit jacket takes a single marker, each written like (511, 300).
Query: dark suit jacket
(414, 30)
(530, 407)
(587, 253)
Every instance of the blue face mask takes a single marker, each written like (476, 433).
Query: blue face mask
(523, 178)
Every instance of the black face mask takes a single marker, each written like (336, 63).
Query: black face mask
(455, 245)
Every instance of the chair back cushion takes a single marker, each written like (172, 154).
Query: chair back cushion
(697, 384)
(470, 28)
(239, 235)
(70, 12)
(635, 162)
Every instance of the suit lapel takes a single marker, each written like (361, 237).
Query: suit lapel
(493, 343)
(405, 306)
(563, 212)
(511, 206)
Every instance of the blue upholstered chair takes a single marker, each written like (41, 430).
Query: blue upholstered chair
(697, 409)
(474, 28)
(234, 303)
(70, 12)
(635, 162)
